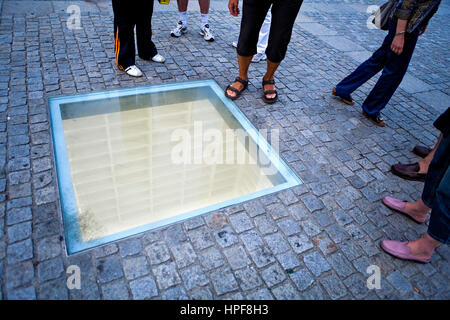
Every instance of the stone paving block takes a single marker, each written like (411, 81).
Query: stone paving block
(130, 247)
(262, 294)
(202, 294)
(48, 248)
(184, 254)
(251, 240)
(273, 275)
(20, 251)
(262, 257)
(302, 279)
(276, 211)
(288, 260)
(143, 288)
(19, 232)
(18, 275)
(166, 275)
(334, 286)
(312, 202)
(400, 283)
(313, 293)
(225, 237)
(54, 290)
(316, 263)
(300, 243)
(340, 264)
(28, 293)
(254, 208)
(18, 215)
(324, 243)
(201, 238)
(50, 269)
(285, 292)
(337, 234)
(177, 293)
(289, 227)
(109, 269)
(211, 258)
(237, 257)
(241, 222)
(157, 252)
(115, 290)
(357, 286)
(223, 281)
(276, 242)
(175, 234)
(135, 267)
(248, 278)
(194, 276)
(265, 224)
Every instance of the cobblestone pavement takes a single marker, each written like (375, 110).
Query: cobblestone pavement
(314, 241)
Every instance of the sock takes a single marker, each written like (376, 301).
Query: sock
(204, 19)
(183, 17)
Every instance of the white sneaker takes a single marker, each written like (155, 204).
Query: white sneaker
(179, 30)
(259, 56)
(159, 58)
(206, 33)
(133, 71)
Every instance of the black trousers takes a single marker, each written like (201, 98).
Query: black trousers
(127, 15)
(284, 13)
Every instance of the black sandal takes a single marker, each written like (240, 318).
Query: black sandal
(266, 92)
(237, 91)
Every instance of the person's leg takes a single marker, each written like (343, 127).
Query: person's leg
(253, 14)
(439, 227)
(146, 47)
(435, 195)
(425, 162)
(284, 14)
(182, 9)
(123, 35)
(263, 38)
(391, 77)
(368, 68)
(283, 19)
(204, 6)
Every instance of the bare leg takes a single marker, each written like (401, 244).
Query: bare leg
(271, 68)
(425, 162)
(182, 5)
(418, 210)
(423, 247)
(204, 6)
(244, 63)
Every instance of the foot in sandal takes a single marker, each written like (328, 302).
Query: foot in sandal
(270, 95)
(234, 90)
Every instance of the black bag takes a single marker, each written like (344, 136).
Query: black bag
(382, 15)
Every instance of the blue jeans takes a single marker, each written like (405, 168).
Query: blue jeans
(394, 68)
(436, 192)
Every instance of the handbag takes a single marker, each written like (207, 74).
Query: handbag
(381, 17)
